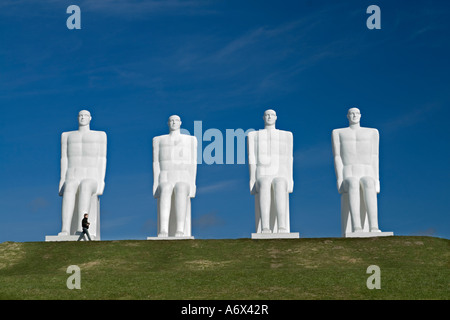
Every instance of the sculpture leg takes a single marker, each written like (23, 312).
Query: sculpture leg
(280, 191)
(165, 200)
(68, 205)
(264, 187)
(370, 197)
(181, 191)
(351, 185)
(87, 188)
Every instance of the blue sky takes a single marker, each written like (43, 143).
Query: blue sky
(135, 63)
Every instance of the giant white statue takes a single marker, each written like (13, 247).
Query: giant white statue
(83, 168)
(356, 161)
(174, 175)
(270, 157)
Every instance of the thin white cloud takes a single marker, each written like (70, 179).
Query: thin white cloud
(217, 186)
(38, 204)
(145, 8)
(119, 8)
(263, 34)
(411, 118)
(241, 42)
(427, 232)
(208, 220)
(116, 223)
(314, 156)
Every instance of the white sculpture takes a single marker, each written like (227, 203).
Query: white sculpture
(83, 168)
(174, 174)
(270, 155)
(356, 161)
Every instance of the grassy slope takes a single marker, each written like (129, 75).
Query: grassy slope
(411, 268)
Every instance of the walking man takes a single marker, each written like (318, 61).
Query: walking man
(85, 225)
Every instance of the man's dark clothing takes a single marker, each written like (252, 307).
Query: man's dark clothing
(85, 225)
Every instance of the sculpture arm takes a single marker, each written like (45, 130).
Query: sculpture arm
(102, 163)
(251, 137)
(291, 162)
(63, 163)
(375, 159)
(156, 168)
(193, 168)
(338, 165)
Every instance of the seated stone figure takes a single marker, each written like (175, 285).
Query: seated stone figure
(174, 172)
(355, 151)
(83, 167)
(270, 154)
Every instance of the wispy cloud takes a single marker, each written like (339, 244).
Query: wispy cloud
(217, 186)
(38, 204)
(261, 35)
(119, 8)
(115, 223)
(208, 220)
(138, 8)
(430, 18)
(241, 42)
(150, 225)
(411, 118)
(269, 55)
(426, 232)
(314, 156)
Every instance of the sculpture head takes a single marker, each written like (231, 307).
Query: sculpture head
(270, 117)
(353, 115)
(84, 118)
(174, 123)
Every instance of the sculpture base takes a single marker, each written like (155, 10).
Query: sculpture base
(73, 237)
(291, 235)
(363, 234)
(171, 238)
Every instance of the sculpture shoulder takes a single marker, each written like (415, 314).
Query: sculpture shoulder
(188, 137)
(157, 139)
(193, 139)
(100, 134)
(255, 133)
(93, 132)
(68, 133)
(185, 137)
(252, 134)
(65, 135)
(370, 131)
(287, 134)
(373, 130)
(336, 133)
(338, 130)
(189, 140)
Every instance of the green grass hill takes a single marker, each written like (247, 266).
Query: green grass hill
(232, 269)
